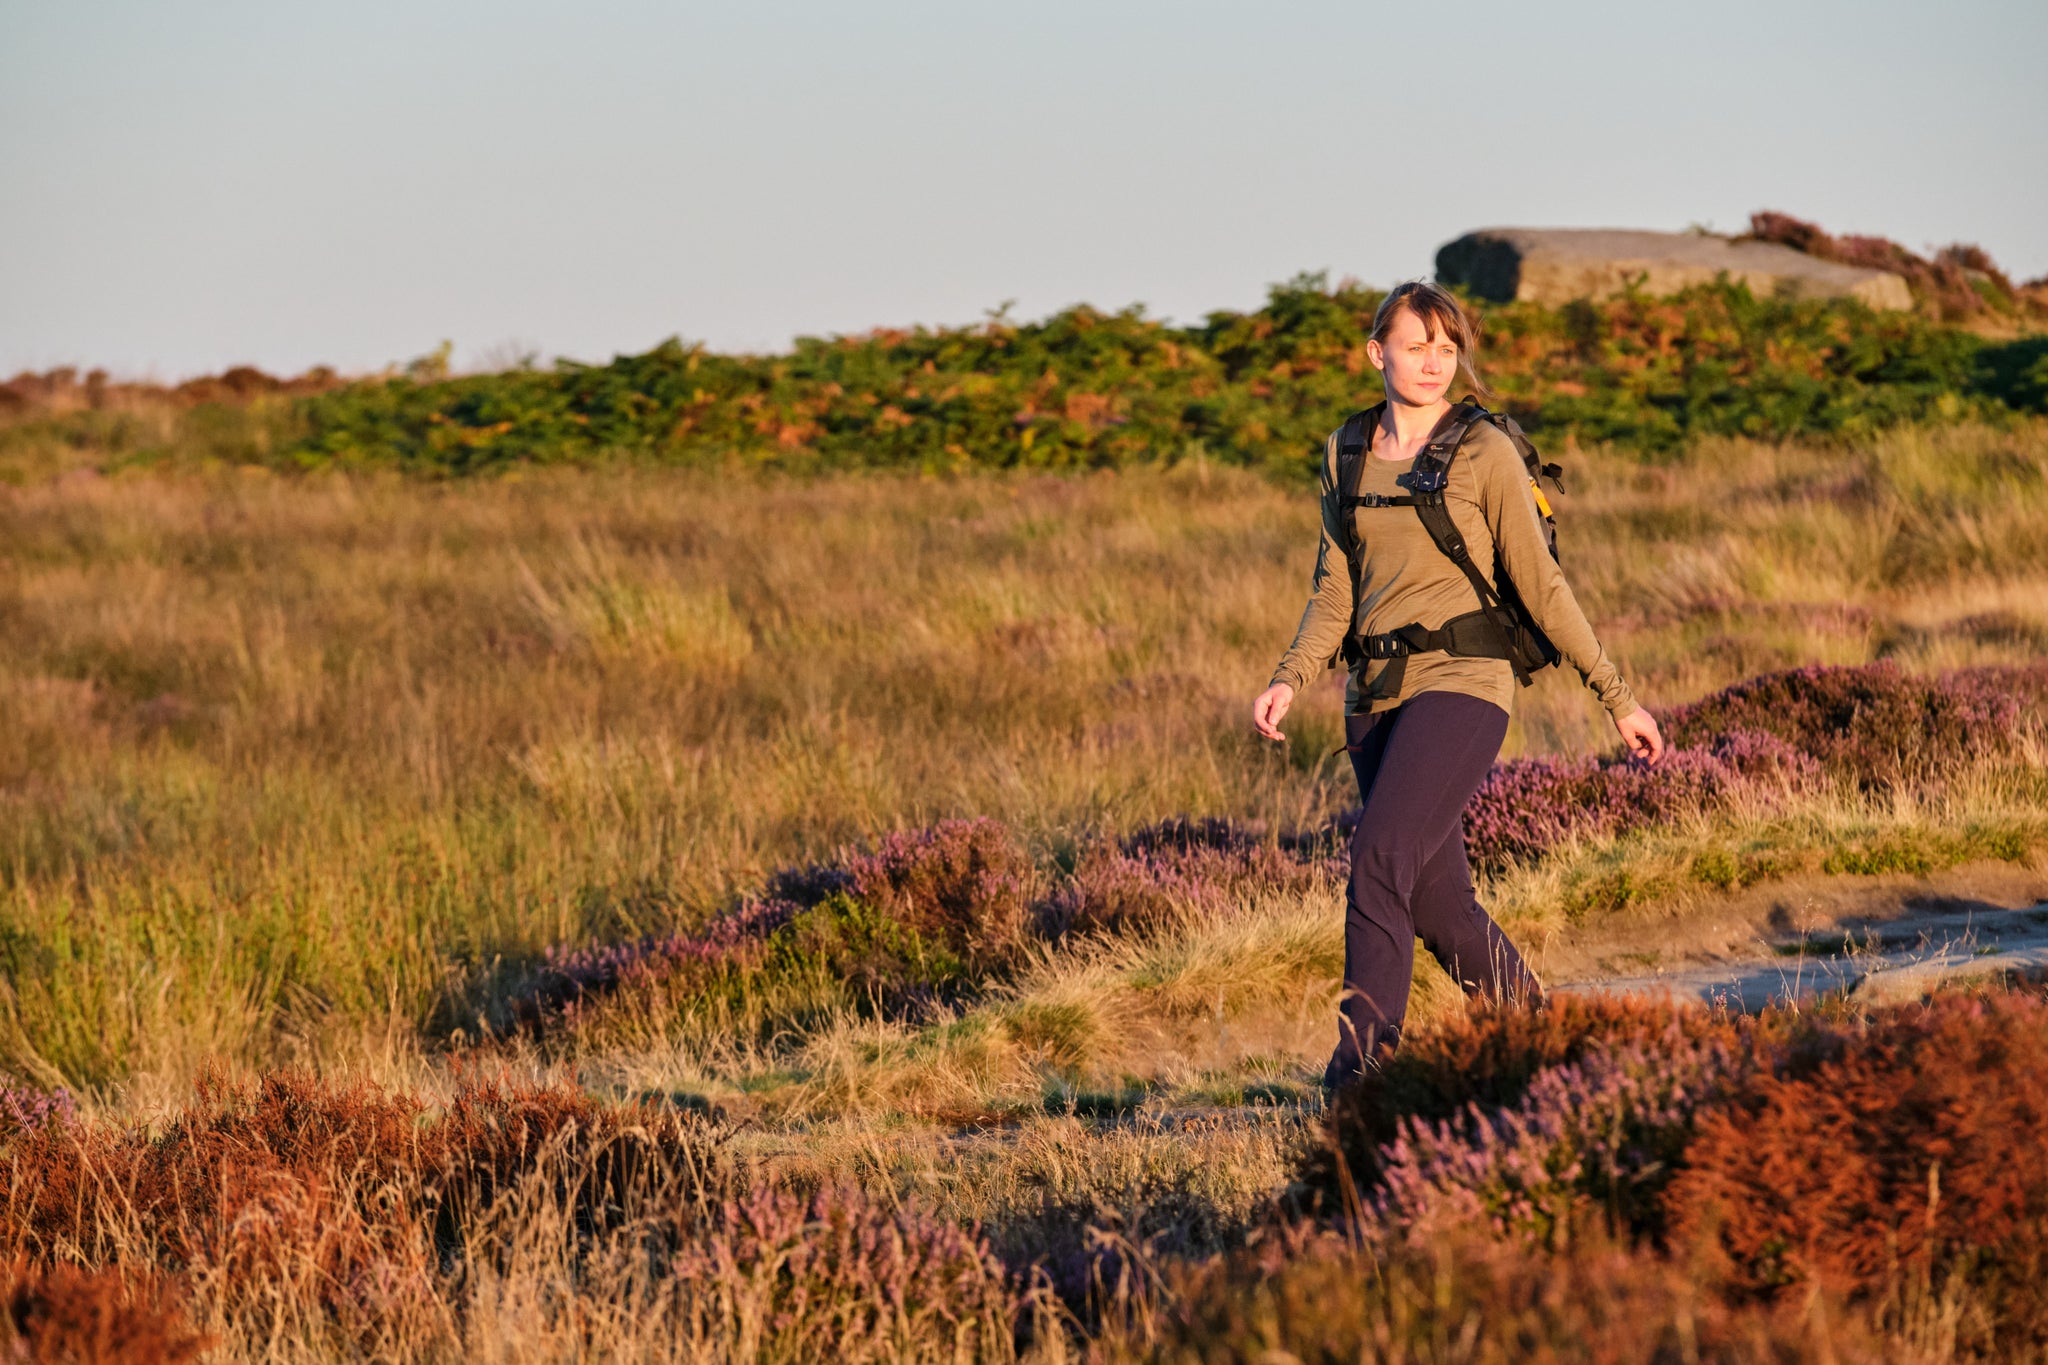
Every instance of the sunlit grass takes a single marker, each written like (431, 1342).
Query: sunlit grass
(287, 761)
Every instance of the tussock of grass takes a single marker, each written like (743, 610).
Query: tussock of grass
(1086, 1015)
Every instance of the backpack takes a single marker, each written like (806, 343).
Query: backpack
(1502, 627)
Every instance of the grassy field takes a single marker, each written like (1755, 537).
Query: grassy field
(600, 818)
(294, 761)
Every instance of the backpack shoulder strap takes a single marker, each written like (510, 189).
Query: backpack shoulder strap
(1352, 439)
(1432, 476)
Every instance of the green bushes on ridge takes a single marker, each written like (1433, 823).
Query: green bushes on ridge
(1085, 388)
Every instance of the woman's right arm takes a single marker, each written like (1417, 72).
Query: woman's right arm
(1327, 617)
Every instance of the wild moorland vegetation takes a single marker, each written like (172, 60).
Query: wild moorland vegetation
(707, 847)
(1605, 1181)
(670, 910)
(1084, 389)
(291, 760)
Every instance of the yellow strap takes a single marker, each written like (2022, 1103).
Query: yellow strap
(1542, 503)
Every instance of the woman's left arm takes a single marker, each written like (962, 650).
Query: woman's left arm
(1509, 507)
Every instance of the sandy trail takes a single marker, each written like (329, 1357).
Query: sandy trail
(1890, 936)
(1899, 958)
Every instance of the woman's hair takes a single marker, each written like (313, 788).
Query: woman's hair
(1440, 313)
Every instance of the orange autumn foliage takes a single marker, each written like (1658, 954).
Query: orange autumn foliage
(1918, 1143)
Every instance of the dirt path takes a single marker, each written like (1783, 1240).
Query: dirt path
(1876, 938)
(1904, 959)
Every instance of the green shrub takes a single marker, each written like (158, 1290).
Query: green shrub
(876, 956)
(1086, 389)
(1894, 853)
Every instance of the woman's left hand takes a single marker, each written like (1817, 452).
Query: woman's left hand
(1640, 736)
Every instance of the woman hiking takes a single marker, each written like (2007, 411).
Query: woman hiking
(1423, 724)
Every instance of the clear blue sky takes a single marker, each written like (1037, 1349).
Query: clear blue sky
(189, 185)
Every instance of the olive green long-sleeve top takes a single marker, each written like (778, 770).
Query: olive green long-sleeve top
(1404, 579)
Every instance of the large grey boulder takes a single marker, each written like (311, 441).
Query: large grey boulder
(1556, 265)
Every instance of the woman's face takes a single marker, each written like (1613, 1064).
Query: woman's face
(1418, 367)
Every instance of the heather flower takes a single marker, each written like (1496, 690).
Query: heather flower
(1486, 1063)
(1606, 1126)
(1526, 807)
(25, 1109)
(917, 916)
(782, 1277)
(732, 942)
(1472, 1298)
(1182, 834)
(1874, 724)
(806, 886)
(961, 883)
(1871, 725)
(1148, 880)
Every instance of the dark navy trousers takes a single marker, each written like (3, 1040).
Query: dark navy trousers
(1417, 766)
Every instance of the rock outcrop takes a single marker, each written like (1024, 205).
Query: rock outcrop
(1556, 265)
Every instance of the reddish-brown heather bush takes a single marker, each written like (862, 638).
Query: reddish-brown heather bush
(296, 1172)
(1485, 1303)
(1949, 281)
(345, 1186)
(1488, 1059)
(62, 1315)
(1918, 1146)
(65, 390)
(781, 1277)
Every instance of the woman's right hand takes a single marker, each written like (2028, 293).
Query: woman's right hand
(1269, 707)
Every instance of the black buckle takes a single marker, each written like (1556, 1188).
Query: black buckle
(1385, 647)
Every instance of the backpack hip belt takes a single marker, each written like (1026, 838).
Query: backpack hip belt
(1470, 636)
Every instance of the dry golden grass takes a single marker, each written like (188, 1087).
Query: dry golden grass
(301, 770)
(286, 766)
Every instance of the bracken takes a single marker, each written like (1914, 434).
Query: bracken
(63, 1315)
(345, 1187)
(1916, 1144)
